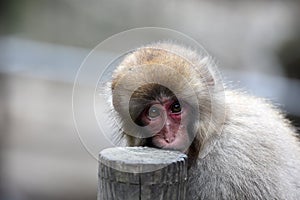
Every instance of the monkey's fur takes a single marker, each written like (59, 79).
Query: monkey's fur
(245, 149)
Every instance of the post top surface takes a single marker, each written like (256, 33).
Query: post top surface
(141, 155)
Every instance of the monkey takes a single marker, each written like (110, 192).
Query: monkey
(169, 96)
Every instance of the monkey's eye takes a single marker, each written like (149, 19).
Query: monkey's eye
(175, 107)
(153, 112)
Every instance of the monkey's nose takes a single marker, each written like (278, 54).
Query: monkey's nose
(169, 138)
(169, 132)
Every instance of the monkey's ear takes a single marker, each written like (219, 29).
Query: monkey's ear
(204, 65)
(207, 78)
(210, 81)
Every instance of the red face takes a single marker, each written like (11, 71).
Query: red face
(167, 121)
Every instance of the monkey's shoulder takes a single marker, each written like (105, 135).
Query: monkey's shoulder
(250, 111)
(257, 123)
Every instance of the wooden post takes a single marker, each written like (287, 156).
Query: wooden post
(141, 173)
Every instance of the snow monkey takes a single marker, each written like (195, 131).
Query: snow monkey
(238, 146)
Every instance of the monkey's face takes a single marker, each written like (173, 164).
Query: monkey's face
(158, 118)
(166, 121)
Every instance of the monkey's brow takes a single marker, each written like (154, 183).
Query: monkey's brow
(166, 100)
(149, 99)
(144, 100)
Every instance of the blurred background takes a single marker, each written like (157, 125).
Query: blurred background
(43, 43)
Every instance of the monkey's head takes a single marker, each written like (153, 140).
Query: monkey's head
(165, 96)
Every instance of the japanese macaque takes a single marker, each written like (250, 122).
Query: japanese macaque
(238, 146)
